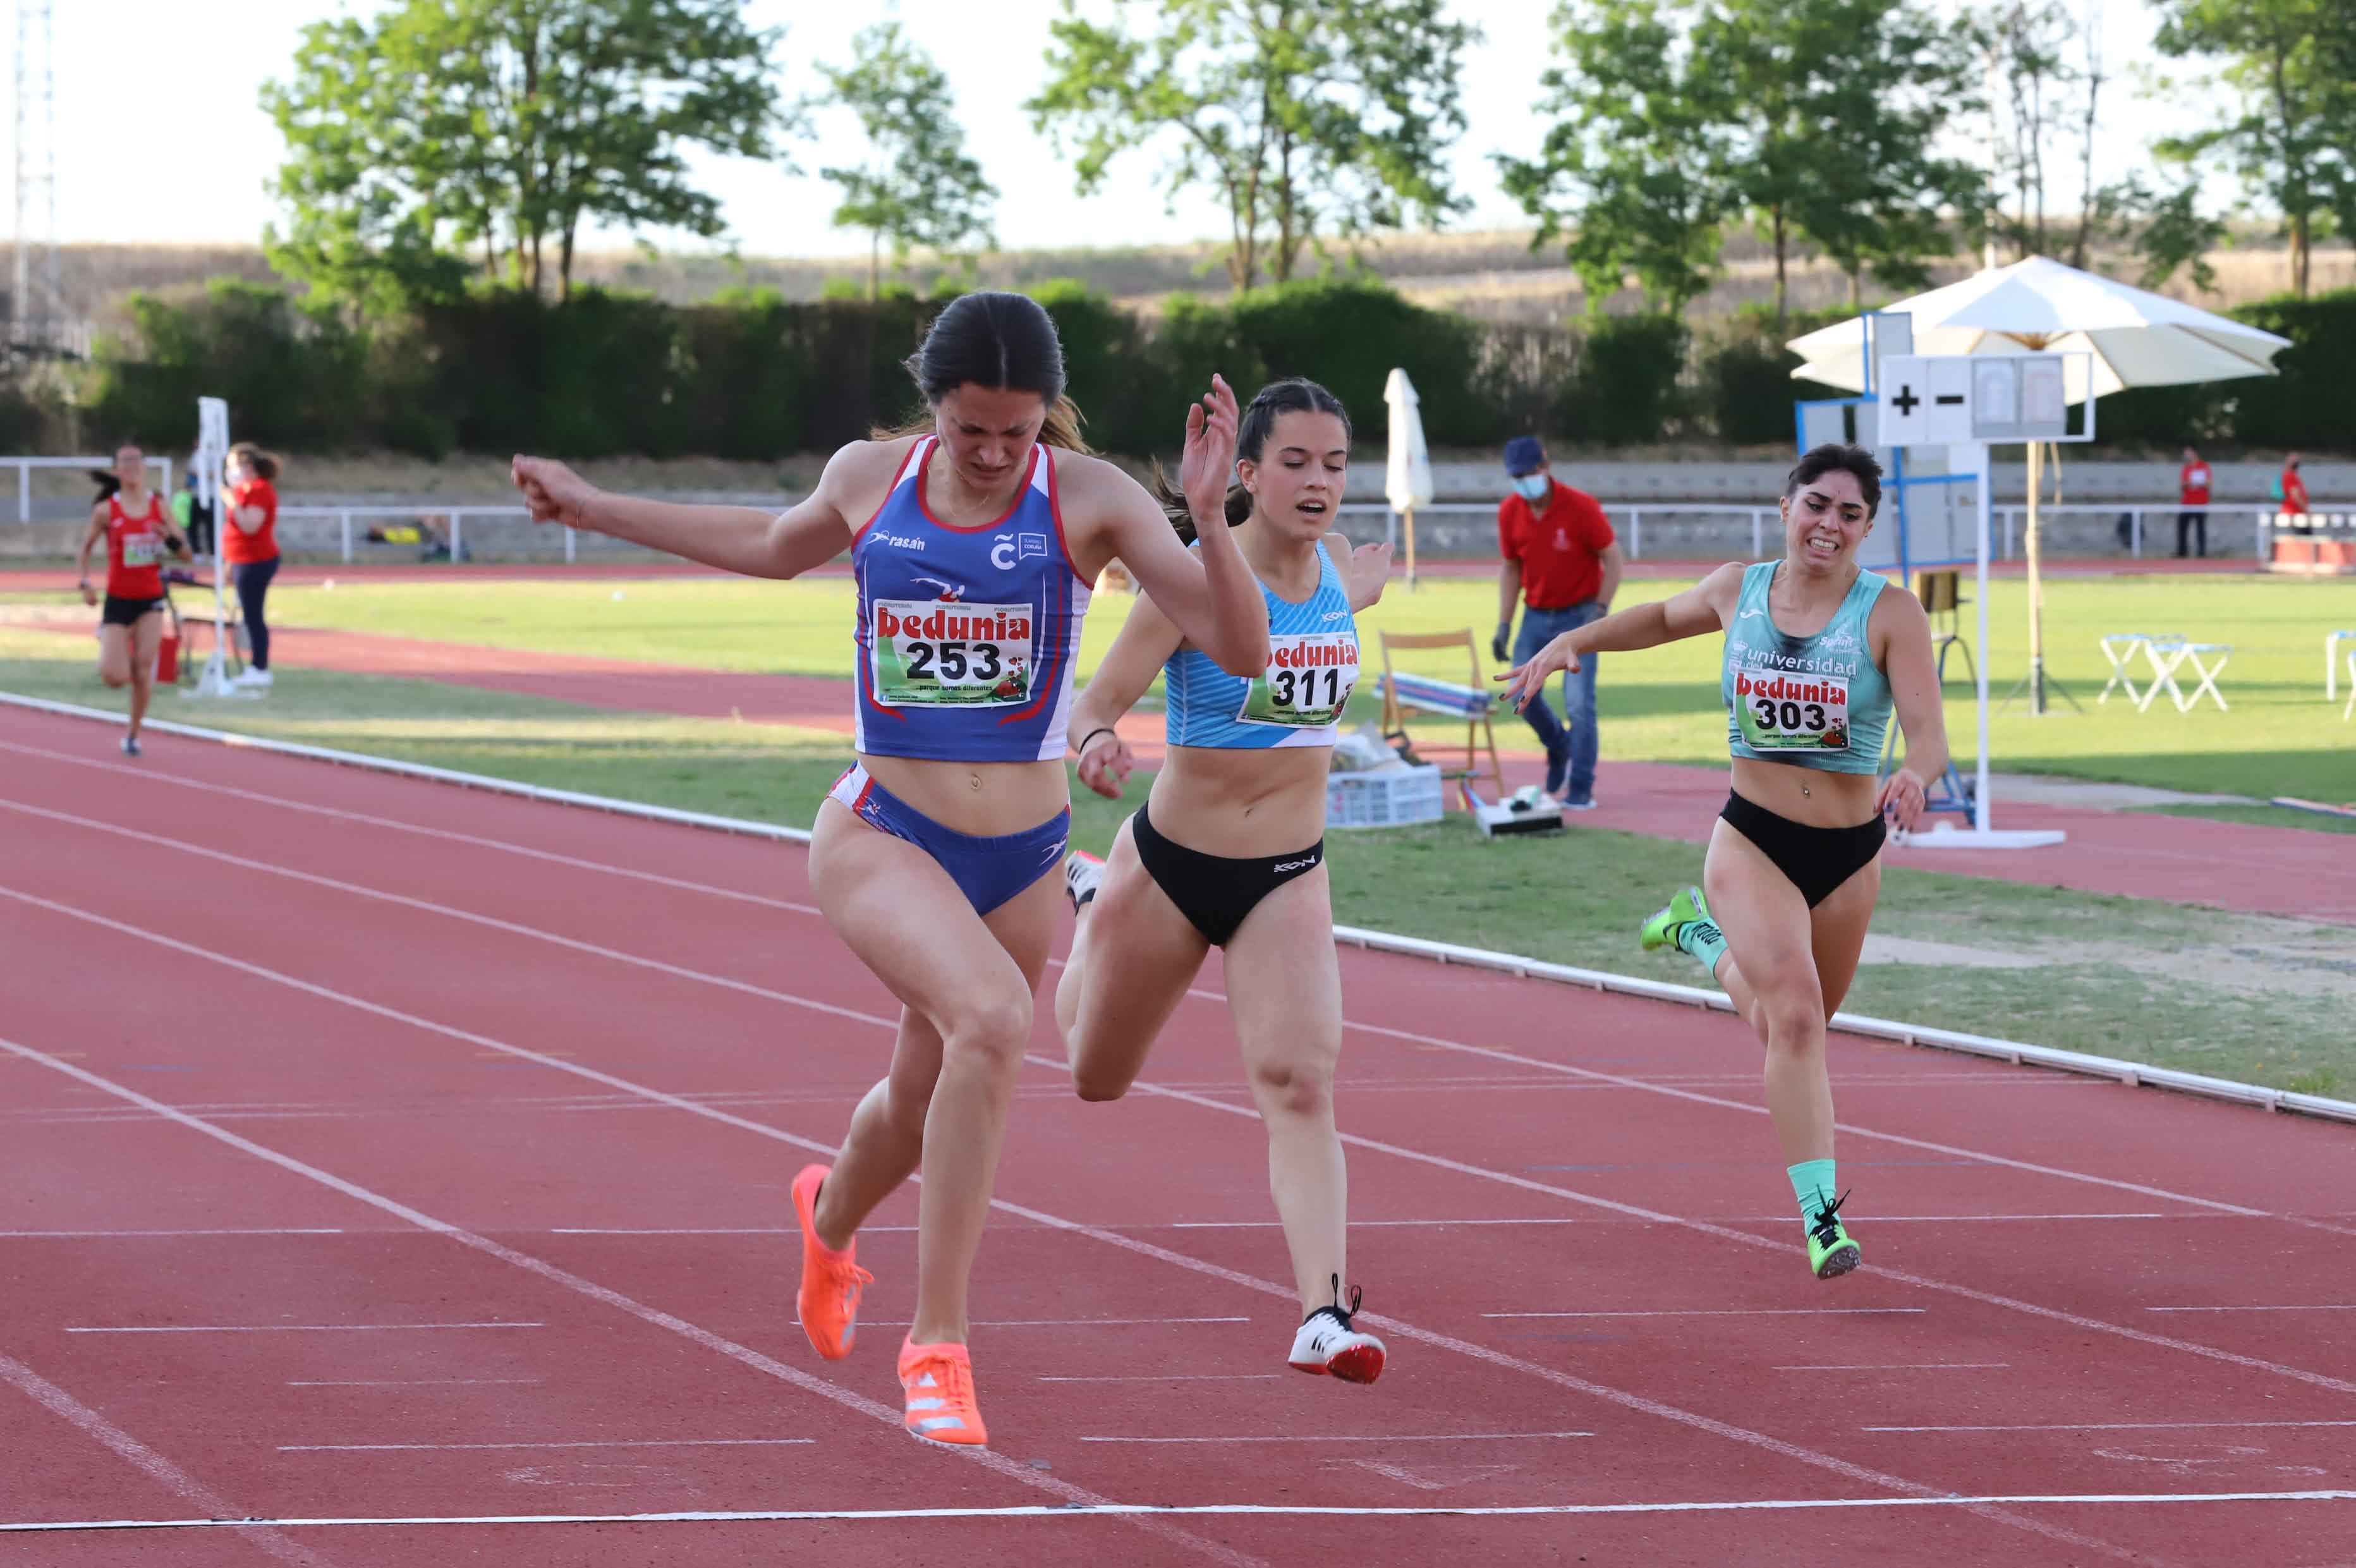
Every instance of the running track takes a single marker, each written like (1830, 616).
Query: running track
(454, 1187)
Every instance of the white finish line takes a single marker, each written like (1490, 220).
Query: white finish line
(1281, 1510)
(292, 1328)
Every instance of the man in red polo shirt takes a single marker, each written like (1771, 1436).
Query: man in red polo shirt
(1562, 558)
(2192, 481)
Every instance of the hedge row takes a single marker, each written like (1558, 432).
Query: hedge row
(753, 376)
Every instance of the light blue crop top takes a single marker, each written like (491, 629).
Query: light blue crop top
(1818, 702)
(1313, 666)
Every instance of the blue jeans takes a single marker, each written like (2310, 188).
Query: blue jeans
(1578, 741)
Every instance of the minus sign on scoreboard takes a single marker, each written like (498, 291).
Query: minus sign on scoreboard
(1946, 398)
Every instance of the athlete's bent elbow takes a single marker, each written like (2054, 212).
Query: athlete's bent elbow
(1244, 656)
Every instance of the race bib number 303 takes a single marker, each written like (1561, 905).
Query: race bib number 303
(1779, 711)
(1308, 680)
(927, 654)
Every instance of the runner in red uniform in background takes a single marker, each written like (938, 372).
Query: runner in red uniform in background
(137, 531)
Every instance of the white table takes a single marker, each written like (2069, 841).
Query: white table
(2121, 648)
(2331, 642)
(2169, 654)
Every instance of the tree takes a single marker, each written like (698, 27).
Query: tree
(2293, 137)
(1836, 108)
(1306, 117)
(2025, 45)
(918, 187)
(1632, 150)
(444, 125)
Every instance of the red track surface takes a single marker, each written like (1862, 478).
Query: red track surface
(469, 1060)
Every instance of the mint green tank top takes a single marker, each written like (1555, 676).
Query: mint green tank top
(1818, 702)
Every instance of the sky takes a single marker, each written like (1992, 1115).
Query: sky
(184, 157)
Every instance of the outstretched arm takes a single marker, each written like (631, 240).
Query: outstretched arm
(1906, 658)
(1145, 645)
(1208, 593)
(1698, 611)
(733, 538)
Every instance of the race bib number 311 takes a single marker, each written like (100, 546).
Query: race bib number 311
(1308, 680)
(1777, 711)
(927, 654)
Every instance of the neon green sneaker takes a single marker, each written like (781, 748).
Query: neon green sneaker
(1831, 1253)
(1662, 928)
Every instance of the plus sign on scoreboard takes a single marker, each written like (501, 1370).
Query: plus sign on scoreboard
(1955, 400)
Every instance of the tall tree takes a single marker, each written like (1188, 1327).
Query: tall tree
(1627, 168)
(1307, 117)
(504, 124)
(2032, 82)
(2292, 133)
(1838, 109)
(918, 187)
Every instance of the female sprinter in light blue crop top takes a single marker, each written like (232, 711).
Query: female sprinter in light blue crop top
(1228, 851)
(1793, 863)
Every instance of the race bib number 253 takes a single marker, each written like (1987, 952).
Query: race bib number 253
(931, 653)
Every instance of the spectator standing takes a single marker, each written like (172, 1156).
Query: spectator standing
(194, 514)
(2294, 493)
(249, 545)
(1562, 561)
(2192, 485)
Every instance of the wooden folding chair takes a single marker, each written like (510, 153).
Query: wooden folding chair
(1403, 692)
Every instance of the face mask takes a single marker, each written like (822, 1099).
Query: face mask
(1533, 486)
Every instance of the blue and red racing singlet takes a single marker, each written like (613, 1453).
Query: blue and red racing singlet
(966, 635)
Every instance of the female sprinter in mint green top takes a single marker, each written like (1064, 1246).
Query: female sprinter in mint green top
(1818, 654)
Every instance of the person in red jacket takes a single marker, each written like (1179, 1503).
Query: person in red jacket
(1563, 563)
(2293, 494)
(249, 536)
(2193, 487)
(137, 531)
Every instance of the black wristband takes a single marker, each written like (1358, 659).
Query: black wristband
(1100, 729)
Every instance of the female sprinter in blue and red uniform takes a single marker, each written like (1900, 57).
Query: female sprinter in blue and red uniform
(1228, 850)
(138, 531)
(973, 543)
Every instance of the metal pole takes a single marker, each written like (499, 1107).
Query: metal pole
(1980, 665)
(568, 544)
(1635, 533)
(457, 534)
(24, 492)
(346, 520)
(1756, 537)
(2136, 533)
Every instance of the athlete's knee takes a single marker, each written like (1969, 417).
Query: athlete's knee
(1097, 1085)
(116, 679)
(1794, 1018)
(990, 1030)
(1297, 1086)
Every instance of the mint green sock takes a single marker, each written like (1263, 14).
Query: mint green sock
(1702, 940)
(1813, 1185)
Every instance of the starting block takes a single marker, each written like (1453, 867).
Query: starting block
(1526, 810)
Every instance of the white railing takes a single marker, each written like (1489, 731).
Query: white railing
(455, 517)
(1631, 512)
(25, 467)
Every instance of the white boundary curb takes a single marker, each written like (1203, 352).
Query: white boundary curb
(2012, 1051)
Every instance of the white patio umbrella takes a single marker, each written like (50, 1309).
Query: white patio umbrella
(2135, 339)
(1406, 482)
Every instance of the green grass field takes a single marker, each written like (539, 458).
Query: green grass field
(1662, 705)
(2243, 996)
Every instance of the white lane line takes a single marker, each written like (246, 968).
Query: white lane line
(1378, 1437)
(450, 912)
(618, 1443)
(1278, 1511)
(287, 1327)
(446, 835)
(1748, 1239)
(2319, 1306)
(118, 1235)
(1068, 1322)
(154, 1466)
(874, 1410)
(1725, 1312)
(1691, 1419)
(2115, 1427)
(1905, 1366)
(1171, 1378)
(403, 1382)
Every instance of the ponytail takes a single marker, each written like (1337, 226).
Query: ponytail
(265, 465)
